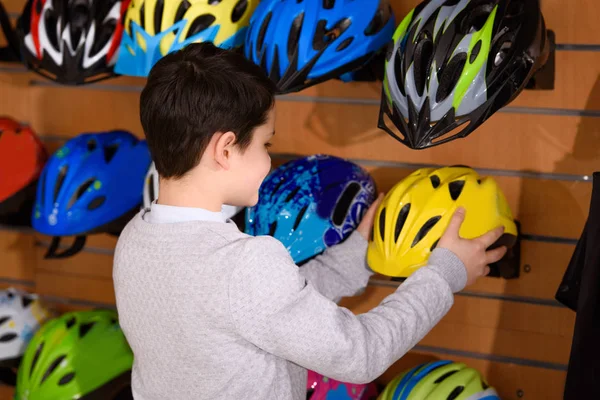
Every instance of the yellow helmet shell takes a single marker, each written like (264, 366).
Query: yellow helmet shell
(155, 16)
(415, 213)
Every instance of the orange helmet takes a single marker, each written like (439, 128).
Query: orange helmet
(22, 158)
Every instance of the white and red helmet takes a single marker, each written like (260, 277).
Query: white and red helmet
(72, 41)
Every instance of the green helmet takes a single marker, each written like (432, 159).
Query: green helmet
(80, 355)
(439, 380)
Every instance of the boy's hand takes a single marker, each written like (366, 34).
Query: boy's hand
(364, 228)
(472, 252)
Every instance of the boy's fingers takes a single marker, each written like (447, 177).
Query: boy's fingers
(455, 222)
(370, 214)
(489, 238)
(495, 255)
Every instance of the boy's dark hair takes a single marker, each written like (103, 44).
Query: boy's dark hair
(193, 93)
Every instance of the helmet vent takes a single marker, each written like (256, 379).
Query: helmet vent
(299, 217)
(4, 319)
(26, 301)
(446, 375)
(434, 245)
(382, 224)
(71, 322)
(52, 367)
(51, 24)
(455, 189)
(515, 8)
(96, 202)
(475, 52)
(402, 215)
(399, 73)
(294, 35)
(423, 58)
(106, 31)
(183, 7)
(292, 194)
(347, 42)
(66, 379)
(435, 181)
(260, 41)
(200, 23)
(276, 188)
(380, 20)
(7, 337)
(476, 19)
(324, 37)
(92, 145)
(158, 14)
(427, 226)
(110, 151)
(36, 358)
(342, 208)
(328, 4)
(273, 229)
(456, 392)
(59, 180)
(142, 17)
(80, 191)
(450, 75)
(85, 328)
(239, 10)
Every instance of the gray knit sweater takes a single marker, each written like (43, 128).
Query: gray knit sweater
(212, 313)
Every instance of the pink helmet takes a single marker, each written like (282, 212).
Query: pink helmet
(322, 388)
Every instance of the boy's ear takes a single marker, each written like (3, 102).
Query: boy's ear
(224, 149)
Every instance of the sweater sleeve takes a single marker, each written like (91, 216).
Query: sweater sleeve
(275, 308)
(341, 270)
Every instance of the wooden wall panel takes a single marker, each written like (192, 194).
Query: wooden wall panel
(576, 76)
(16, 256)
(488, 326)
(6, 392)
(546, 264)
(75, 287)
(529, 142)
(545, 143)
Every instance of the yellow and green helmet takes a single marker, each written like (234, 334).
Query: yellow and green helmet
(80, 355)
(453, 63)
(439, 380)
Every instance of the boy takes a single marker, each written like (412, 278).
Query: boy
(212, 313)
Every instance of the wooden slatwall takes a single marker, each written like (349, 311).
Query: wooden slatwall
(542, 150)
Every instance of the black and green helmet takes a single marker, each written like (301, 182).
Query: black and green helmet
(453, 63)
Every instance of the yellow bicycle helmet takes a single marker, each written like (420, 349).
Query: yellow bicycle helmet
(439, 380)
(154, 28)
(415, 213)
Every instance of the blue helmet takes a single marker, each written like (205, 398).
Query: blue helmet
(90, 184)
(311, 203)
(301, 43)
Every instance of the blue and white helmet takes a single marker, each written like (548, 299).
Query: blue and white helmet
(311, 203)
